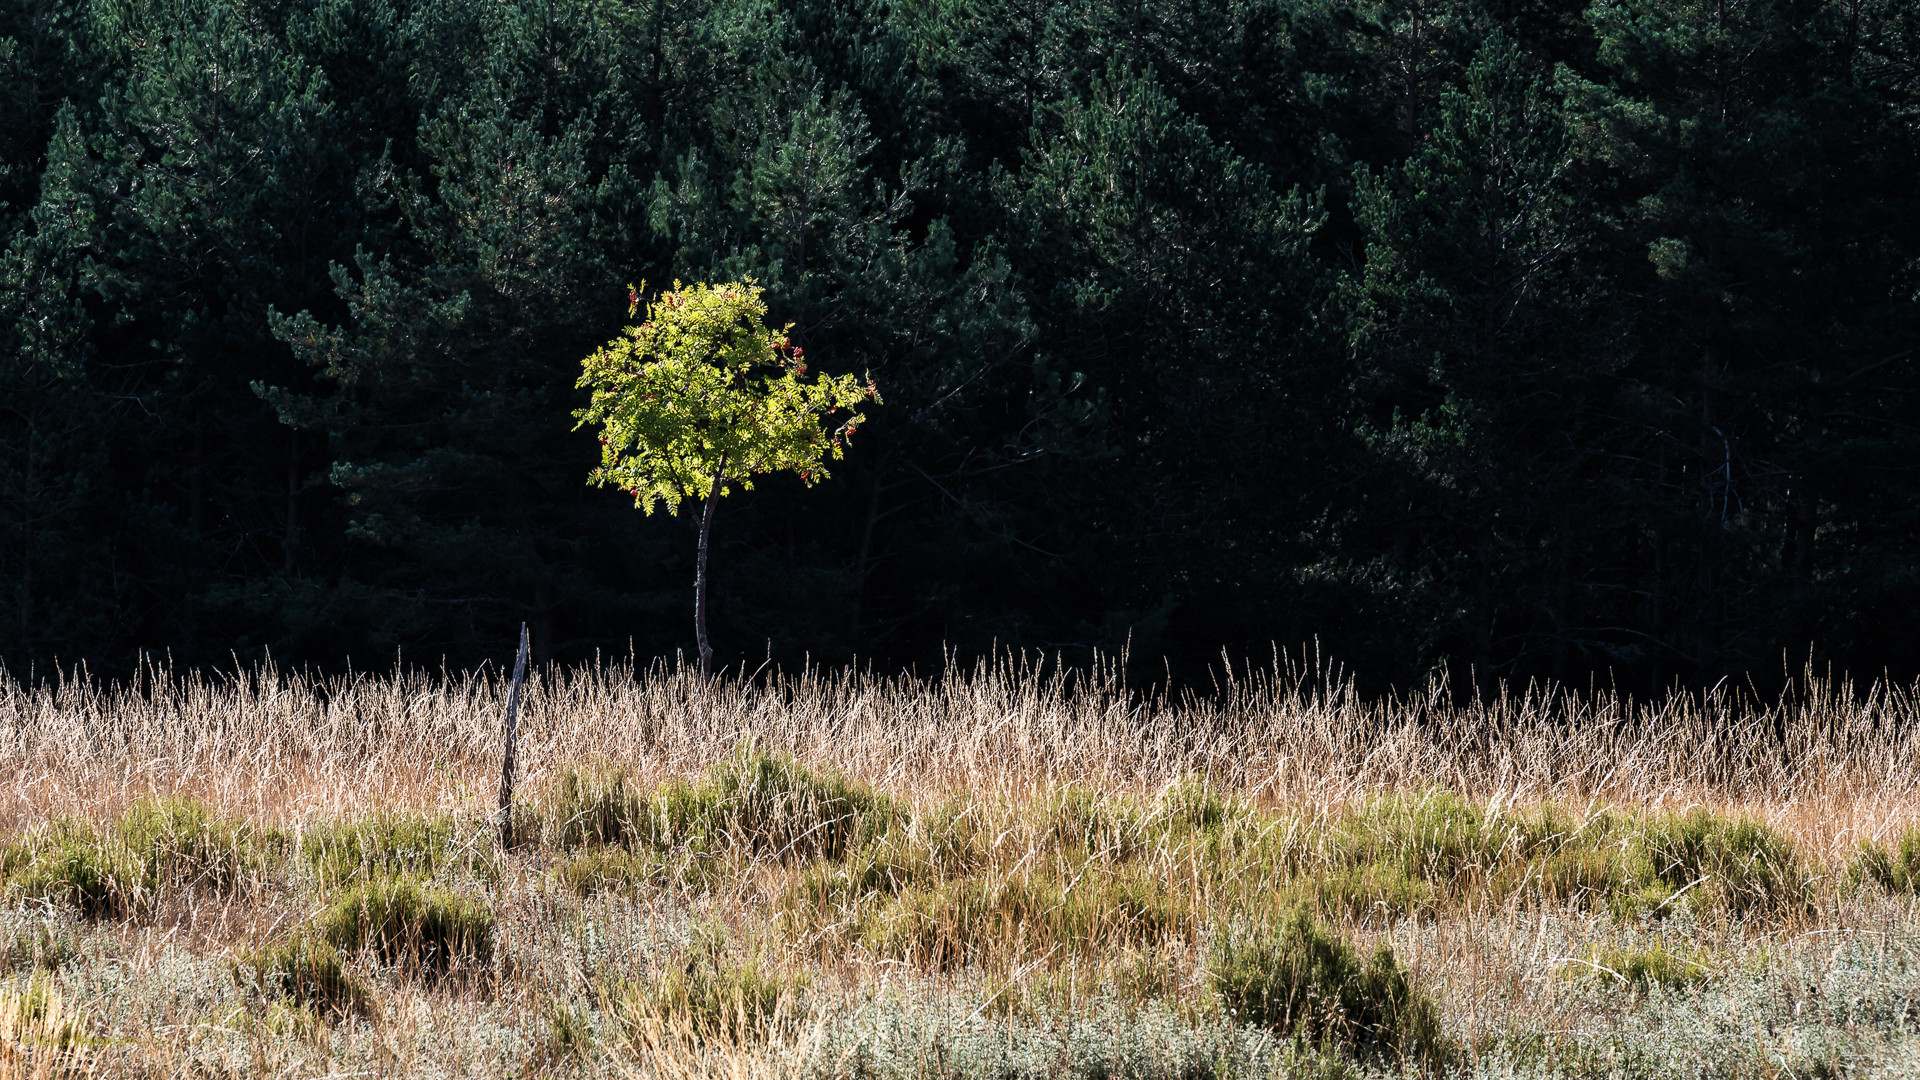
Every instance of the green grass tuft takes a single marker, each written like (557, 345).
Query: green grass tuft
(388, 844)
(1379, 889)
(1656, 965)
(773, 806)
(155, 844)
(74, 863)
(409, 923)
(309, 971)
(708, 992)
(1896, 871)
(1302, 981)
(1078, 823)
(974, 920)
(768, 805)
(1192, 804)
(597, 806)
(1714, 864)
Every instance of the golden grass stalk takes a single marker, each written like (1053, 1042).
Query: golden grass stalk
(278, 746)
(42, 1037)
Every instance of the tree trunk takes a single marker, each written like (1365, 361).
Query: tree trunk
(512, 739)
(700, 581)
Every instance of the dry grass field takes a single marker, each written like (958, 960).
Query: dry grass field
(1005, 872)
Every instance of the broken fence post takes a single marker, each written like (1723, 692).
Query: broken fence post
(506, 763)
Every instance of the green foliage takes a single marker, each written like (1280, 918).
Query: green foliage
(388, 844)
(309, 971)
(1078, 822)
(1302, 981)
(155, 844)
(1195, 805)
(702, 395)
(408, 922)
(1896, 871)
(770, 804)
(710, 992)
(936, 845)
(981, 918)
(72, 863)
(1382, 891)
(1713, 863)
(596, 806)
(766, 804)
(1396, 855)
(1455, 335)
(1642, 968)
(1434, 835)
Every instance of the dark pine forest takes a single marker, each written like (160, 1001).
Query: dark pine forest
(1528, 337)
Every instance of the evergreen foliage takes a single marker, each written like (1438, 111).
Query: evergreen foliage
(1526, 339)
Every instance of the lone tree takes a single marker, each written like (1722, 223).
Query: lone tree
(703, 395)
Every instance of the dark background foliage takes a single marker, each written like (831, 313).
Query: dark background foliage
(1520, 337)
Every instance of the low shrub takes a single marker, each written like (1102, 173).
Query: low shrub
(1384, 852)
(387, 844)
(1896, 870)
(1399, 853)
(1078, 823)
(971, 919)
(1192, 804)
(767, 804)
(1302, 981)
(1380, 889)
(1586, 874)
(708, 992)
(1712, 863)
(1655, 965)
(597, 806)
(936, 845)
(1436, 834)
(153, 845)
(73, 863)
(309, 971)
(409, 923)
(772, 805)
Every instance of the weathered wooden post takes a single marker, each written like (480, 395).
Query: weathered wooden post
(506, 764)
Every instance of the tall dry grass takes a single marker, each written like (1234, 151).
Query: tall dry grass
(1035, 873)
(1830, 761)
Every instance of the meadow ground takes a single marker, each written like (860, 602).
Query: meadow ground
(1006, 872)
